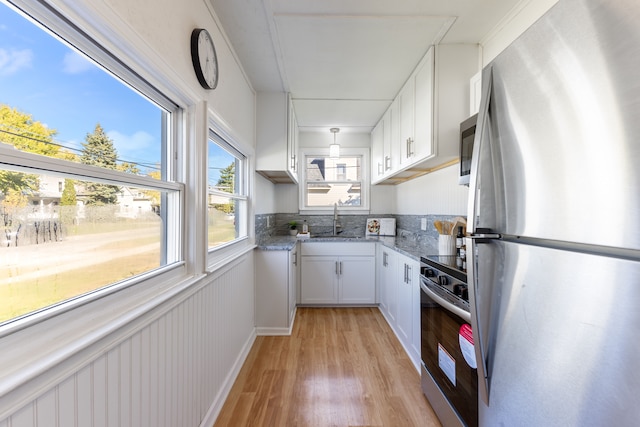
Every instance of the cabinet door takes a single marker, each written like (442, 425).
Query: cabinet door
(271, 289)
(406, 100)
(414, 276)
(293, 282)
(377, 154)
(390, 138)
(357, 280)
(422, 146)
(292, 140)
(319, 280)
(389, 292)
(405, 312)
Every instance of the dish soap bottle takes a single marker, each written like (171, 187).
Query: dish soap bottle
(305, 227)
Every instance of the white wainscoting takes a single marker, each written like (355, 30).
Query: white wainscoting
(173, 369)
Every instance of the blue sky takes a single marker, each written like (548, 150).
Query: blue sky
(43, 77)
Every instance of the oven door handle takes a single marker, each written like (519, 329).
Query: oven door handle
(465, 315)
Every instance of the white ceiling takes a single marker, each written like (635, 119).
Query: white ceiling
(343, 61)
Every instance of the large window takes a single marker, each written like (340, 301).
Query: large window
(87, 196)
(330, 181)
(227, 207)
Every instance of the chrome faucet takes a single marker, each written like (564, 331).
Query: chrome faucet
(336, 224)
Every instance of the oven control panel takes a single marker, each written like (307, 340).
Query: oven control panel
(446, 281)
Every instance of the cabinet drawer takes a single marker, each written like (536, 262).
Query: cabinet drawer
(338, 248)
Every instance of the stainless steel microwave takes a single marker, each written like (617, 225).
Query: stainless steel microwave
(467, 135)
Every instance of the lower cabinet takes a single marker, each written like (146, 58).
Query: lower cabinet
(387, 259)
(399, 285)
(338, 273)
(276, 282)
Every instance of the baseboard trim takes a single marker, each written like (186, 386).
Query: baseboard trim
(217, 404)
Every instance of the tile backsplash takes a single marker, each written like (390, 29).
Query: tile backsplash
(407, 226)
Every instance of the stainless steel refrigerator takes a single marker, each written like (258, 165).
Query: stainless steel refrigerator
(554, 214)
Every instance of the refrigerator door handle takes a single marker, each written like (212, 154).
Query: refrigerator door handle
(476, 324)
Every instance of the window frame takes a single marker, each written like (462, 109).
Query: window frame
(220, 255)
(365, 202)
(59, 26)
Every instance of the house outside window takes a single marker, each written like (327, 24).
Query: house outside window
(328, 182)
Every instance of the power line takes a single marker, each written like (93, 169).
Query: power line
(145, 165)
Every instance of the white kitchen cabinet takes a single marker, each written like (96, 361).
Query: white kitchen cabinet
(430, 107)
(387, 287)
(385, 152)
(475, 93)
(276, 138)
(338, 273)
(276, 282)
(416, 115)
(399, 285)
(377, 151)
(409, 307)
(390, 154)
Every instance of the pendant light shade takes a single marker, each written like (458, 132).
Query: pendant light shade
(334, 149)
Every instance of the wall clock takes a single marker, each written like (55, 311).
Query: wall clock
(203, 56)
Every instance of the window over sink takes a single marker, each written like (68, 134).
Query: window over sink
(328, 182)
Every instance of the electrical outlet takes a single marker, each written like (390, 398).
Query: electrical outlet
(423, 224)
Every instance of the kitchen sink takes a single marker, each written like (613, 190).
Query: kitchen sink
(330, 237)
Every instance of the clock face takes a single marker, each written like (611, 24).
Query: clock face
(203, 56)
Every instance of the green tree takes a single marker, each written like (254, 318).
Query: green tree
(226, 183)
(25, 134)
(98, 150)
(131, 168)
(68, 197)
(68, 202)
(20, 130)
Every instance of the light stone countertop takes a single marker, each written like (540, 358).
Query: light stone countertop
(400, 244)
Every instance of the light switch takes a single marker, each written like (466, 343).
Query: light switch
(423, 224)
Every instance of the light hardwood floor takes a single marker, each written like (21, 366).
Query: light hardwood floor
(339, 367)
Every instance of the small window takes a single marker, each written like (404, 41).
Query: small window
(329, 182)
(227, 207)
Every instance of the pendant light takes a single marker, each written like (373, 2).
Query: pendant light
(334, 149)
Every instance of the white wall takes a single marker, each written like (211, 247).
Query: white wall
(264, 196)
(437, 193)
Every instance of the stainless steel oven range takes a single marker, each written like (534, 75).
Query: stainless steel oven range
(449, 374)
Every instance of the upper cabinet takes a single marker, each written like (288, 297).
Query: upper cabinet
(475, 92)
(422, 124)
(277, 138)
(416, 113)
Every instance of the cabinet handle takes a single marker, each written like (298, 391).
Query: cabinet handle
(295, 258)
(409, 145)
(293, 162)
(384, 259)
(337, 271)
(340, 268)
(408, 274)
(387, 163)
